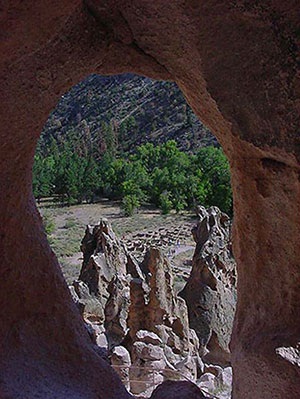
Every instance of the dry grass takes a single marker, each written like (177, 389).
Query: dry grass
(68, 225)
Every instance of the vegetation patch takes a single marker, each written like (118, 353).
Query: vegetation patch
(160, 175)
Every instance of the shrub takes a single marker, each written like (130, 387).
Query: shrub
(70, 223)
(165, 202)
(179, 205)
(49, 224)
(129, 204)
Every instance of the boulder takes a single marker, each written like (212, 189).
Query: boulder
(121, 362)
(148, 337)
(149, 363)
(177, 390)
(216, 382)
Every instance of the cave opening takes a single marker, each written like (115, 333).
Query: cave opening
(110, 143)
(236, 63)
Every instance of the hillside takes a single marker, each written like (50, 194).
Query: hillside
(137, 109)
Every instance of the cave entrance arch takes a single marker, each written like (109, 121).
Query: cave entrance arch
(77, 122)
(237, 65)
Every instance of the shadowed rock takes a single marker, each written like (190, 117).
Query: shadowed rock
(210, 291)
(103, 285)
(177, 390)
(237, 63)
(165, 316)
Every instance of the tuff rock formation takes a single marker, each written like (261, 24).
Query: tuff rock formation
(171, 344)
(210, 292)
(104, 276)
(216, 381)
(237, 63)
(121, 361)
(134, 307)
(178, 390)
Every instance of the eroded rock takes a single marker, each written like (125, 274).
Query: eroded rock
(216, 382)
(161, 312)
(135, 307)
(103, 285)
(210, 292)
(121, 361)
(177, 390)
(237, 63)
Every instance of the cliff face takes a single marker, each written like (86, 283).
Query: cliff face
(139, 110)
(210, 292)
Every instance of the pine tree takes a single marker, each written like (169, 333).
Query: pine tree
(91, 180)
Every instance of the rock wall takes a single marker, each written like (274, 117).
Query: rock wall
(238, 65)
(210, 292)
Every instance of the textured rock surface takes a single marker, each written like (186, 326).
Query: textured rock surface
(103, 285)
(159, 311)
(135, 306)
(216, 382)
(210, 292)
(238, 65)
(177, 390)
(120, 359)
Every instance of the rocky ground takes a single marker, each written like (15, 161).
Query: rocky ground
(158, 297)
(139, 324)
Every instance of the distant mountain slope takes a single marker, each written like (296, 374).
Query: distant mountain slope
(138, 108)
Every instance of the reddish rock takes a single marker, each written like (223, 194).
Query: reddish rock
(237, 63)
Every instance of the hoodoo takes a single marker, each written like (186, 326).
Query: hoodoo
(237, 63)
(210, 292)
(133, 310)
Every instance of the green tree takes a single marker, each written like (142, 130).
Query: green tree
(91, 180)
(132, 127)
(165, 202)
(129, 204)
(215, 168)
(42, 181)
(162, 174)
(68, 180)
